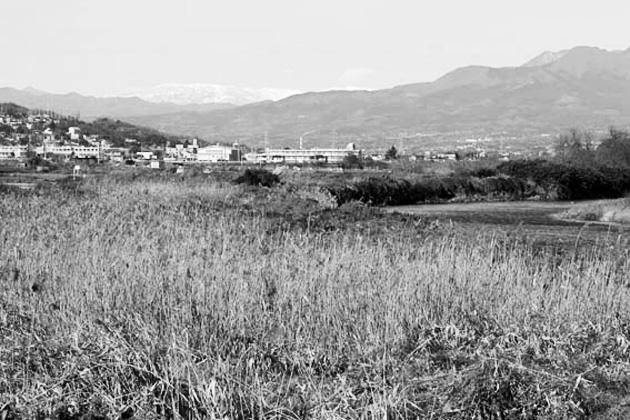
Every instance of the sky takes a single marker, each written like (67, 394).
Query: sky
(109, 47)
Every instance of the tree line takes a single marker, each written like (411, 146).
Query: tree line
(582, 148)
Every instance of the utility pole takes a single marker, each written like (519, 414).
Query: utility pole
(335, 143)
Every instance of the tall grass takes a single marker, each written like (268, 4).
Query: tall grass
(609, 211)
(148, 298)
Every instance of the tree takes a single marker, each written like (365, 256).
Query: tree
(391, 154)
(135, 149)
(6, 129)
(352, 161)
(615, 149)
(576, 147)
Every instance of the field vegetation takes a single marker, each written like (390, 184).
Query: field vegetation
(189, 296)
(615, 211)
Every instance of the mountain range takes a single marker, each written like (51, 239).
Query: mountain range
(584, 87)
(203, 93)
(90, 107)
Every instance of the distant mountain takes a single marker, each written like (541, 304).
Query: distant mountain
(201, 93)
(582, 87)
(90, 107)
(545, 58)
(31, 90)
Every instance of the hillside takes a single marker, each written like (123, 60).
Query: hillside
(583, 87)
(30, 124)
(117, 131)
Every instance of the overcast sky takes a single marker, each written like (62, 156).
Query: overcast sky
(106, 47)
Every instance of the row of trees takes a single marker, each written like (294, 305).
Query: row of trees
(582, 148)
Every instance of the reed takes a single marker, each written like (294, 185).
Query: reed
(169, 299)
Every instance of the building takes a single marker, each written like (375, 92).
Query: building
(305, 155)
(115, 154)
(181, 152)
(13, 152)
(145, 155)
(86, 152)
(54, 149)
(75, 133)
(218, 153)
(79, 152)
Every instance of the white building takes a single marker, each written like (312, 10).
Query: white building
(54, 149)
(145, 155)
(75, 133)
(80, 152)
(84, 152)
(181, 152)
(305, 155)
(115, 154)
(13, 152)
(217, 153)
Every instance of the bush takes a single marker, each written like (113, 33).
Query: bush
(258, 177)
(569, 182)
(352, 162)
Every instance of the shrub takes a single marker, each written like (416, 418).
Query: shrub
(569, 182)
(352, 162)
(258, 177)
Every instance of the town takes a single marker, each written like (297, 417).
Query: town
(51, 136)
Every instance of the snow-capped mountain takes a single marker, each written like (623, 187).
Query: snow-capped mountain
(202, 93)
(546, 58)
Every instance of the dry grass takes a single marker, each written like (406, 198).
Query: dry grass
(159, 299)
(609, 211)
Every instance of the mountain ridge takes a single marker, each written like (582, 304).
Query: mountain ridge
(206, 93)
(583, 87)
(91, 107)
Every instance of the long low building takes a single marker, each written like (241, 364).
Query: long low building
(81, 152)
(13, 152)
(304, 155)
(217, 153)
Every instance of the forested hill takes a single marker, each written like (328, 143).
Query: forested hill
(117, 131)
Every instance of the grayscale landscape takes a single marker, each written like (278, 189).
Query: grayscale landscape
(283, 210)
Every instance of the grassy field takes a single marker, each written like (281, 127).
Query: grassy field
(606, 211)
(172, 297)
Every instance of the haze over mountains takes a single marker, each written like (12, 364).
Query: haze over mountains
(203, 93)
(158, 100)
(584, 87)
(90, 107)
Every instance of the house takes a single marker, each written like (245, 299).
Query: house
(114, 154)
(75, 133)
(145, 155)
(49, 135)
